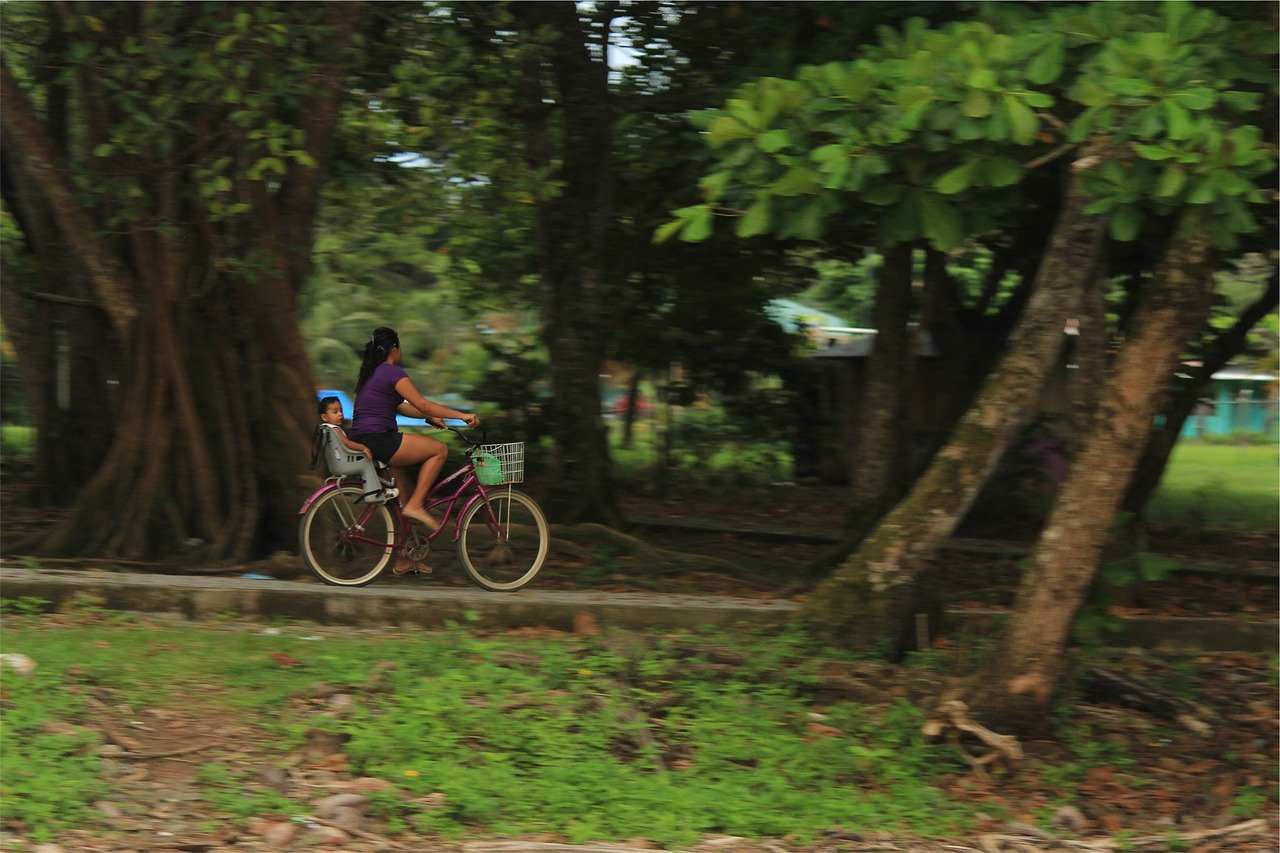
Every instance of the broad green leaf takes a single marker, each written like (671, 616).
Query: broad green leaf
(916, 95)
(1046, 65)
(838, 172)
(725, 129)
(1155, 45)
(1171, 182)
(911, 118)
(1023, 123)
(773, 141)
(699, 225)
(981, 78)
(755, 220)
(1003, 172)
(976, 103)
(745, 112)
(1242, 102)
(713, 185)
(770, 99)
(859, 82)
(798, 180)
(665, 231)
(1125, 223)
(957, 180)
(942, 222)
(1154, 152)
(829, 152)
(1180, 124)
(1246, 146)
(104, 149)
(1199, 98)
(1036, 100)
(1093, 94)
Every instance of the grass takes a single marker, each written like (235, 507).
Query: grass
(1220, 486)
(17, 442)
(591, 738)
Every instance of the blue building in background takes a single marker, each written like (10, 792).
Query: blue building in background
(1237, 400)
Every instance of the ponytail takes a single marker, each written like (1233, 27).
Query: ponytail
(375, 352)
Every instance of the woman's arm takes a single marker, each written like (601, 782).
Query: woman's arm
(417, 406)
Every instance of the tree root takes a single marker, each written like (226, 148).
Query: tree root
(1131, 691)
(951, 716)
(579, 538)
(1020, 835)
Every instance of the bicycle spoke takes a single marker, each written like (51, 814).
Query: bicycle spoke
(345, 541)
(503, 543)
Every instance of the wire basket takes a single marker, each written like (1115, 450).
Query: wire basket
(499, 463)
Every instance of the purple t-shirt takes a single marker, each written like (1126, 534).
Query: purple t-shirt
(375, 406)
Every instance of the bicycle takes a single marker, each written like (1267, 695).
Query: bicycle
(501, 534)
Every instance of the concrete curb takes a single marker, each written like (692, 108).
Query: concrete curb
(418, 605)
(388, 604)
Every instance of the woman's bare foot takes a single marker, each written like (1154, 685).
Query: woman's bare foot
(421, 516)
(405, 566)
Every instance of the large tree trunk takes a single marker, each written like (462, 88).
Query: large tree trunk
(876, 466)
(1182, 400)
(870, 601)
(572, 142)
(216, 400)
(1016, 689)
(68, 361)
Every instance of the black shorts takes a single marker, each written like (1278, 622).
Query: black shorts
(383, 444)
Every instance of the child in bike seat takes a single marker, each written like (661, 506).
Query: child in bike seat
(345, 456)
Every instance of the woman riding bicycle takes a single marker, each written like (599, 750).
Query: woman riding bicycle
(382, 391)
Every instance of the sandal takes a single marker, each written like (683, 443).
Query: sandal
(414, 569)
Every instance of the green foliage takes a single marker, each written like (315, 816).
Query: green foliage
(923, 137)
(671, 736)
(28, 605)
(51, 772)
(591, 738)
(240, 794)
(1087, 752)
(578, 736)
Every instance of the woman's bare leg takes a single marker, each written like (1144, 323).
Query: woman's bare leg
(431, 453)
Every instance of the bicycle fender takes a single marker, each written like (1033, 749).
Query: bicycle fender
(317, 495)
(474, 499)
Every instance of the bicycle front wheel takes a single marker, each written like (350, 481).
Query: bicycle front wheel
(502, 544)
(345, 541)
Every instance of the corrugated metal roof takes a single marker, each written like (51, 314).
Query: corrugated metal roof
(794, 317)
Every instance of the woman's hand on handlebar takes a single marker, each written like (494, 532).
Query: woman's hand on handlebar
(467, 420)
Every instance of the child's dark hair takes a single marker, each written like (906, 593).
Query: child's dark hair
(325, 403)
(375, 352)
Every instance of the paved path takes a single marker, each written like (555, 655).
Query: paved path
(384, 603)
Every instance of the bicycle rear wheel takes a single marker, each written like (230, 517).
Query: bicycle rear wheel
(345, 541)
(502, 545)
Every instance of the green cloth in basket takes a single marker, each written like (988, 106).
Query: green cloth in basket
(488, 468)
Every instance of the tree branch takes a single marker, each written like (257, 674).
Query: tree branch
(47, 167)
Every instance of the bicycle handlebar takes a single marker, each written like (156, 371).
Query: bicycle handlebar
(449, 425)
